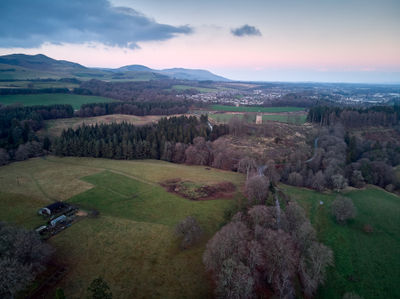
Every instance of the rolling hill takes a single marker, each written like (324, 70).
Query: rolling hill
(24, 67)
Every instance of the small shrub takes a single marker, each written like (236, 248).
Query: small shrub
(99, 289)
(189, 230)
(349, 295)
(368, 228)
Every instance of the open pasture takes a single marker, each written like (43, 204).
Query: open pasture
(131, 243)
(52, 98)
(279, 117)
(365, 263)
(255, 109)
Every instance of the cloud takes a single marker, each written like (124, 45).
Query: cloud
(246, 30)
(29, 23)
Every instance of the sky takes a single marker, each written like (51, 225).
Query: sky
(253, 40)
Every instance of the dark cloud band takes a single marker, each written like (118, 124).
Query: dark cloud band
(246, 30)
(28, 23)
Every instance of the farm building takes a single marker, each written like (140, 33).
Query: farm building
(59, 219)
(54, 208)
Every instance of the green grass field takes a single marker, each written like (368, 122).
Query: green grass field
(255, 109)
(285, 118)
(131, 243)
(37, 84)
(367, 264)
(52, 98)
(290, 119)
(200, 89)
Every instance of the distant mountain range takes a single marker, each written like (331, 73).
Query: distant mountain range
(21, 66)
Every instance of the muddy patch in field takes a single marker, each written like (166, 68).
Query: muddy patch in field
(196, 191)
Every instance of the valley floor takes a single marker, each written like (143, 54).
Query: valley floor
(131, 243)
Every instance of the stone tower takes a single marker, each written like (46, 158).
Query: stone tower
(258, 119)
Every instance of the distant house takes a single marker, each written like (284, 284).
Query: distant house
(54, 208)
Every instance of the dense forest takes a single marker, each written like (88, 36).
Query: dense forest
(140, 91)
(10, 91)
(355, 117)
(18, 123)
(340, 159)
(167, 140)
(134, 108)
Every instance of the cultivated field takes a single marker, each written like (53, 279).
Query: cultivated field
(52, 98)
(131, 243)
(54, 127)
(200, 89)
(255, 109)
(365, 263)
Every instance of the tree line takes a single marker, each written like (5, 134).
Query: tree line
(341, 159)
(167, 140)
(265, 250)
(140, 91)
(355, 117)
(134, 108)
(18, 123)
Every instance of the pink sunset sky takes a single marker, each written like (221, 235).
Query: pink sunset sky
(341, 41)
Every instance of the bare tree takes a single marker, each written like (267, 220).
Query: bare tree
(234, 281)
(313, 267)
(189, 230)
(295, 179)
(247, 165)
(343, 209)
(230, 241)
(252, 253)
(263, 216)
(319, 181)
(295, 215)
(4, 157)
(198, 153)
(257, 188)
(22, 256)
(338, 182)
(357, 179)
(281, 260)
(179, 153)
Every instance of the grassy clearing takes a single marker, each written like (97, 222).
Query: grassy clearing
(255, 109)
(52, 98)
(54, 127)
(291, 119)
(123, 197)
(200, 89)
(21, 210)
(285, 118)
(367, 264)
(131, 244)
